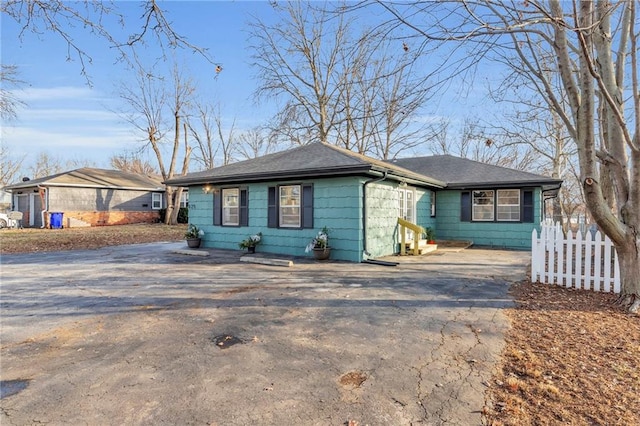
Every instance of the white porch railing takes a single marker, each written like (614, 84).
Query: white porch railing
(584, 262)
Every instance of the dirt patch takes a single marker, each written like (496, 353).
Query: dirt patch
(42, 240)
(571, 357)
(353, 379)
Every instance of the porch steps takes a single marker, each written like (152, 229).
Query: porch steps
(423, 247)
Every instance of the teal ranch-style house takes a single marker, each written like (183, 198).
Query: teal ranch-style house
(291, 195)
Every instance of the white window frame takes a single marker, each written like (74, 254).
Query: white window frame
(156, 200)
(287, 206)
(231, 206)
(484, 211)
(507, 212)
(184, 199)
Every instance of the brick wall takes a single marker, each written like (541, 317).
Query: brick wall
(95, 218)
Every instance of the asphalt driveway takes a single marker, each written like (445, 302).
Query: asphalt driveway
(142, 335)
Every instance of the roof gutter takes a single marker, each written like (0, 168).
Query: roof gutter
(365, 253)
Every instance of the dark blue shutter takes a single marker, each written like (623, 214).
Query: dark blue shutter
(217, 208)
(244, 207)
(307, 206)
(527, 206)
(272, 208)
(465, 206)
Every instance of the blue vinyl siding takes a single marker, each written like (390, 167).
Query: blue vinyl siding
(511, 235)
(336, 206)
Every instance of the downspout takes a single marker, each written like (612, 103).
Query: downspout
(365, 253)
(45, 204)
(554, 192)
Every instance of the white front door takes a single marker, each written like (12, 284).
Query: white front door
(407, 207)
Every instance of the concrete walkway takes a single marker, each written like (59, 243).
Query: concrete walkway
(142, 335)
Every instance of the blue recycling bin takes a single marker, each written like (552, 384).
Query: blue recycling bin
(55, 220)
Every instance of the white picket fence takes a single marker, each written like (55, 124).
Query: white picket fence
(585, 262)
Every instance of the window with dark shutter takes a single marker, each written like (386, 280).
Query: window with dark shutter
(307, 206)
(465, 206)
(272, 208)
(217, 208)
(244, 207)
(527, 206)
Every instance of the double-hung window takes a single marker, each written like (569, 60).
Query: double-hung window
(184, 199)
(497, 205)
(483, 205)
(508, 205)
(230, 207)
(290, 206)
(156, 200)
(289, 202)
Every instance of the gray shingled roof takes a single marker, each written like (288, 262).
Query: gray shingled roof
(325, 160)
(95, 178)
(462, 173)
(307, 161)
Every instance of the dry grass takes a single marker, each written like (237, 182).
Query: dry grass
(40, 240)
(572, 357)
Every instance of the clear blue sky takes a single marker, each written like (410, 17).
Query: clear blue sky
(67, 118)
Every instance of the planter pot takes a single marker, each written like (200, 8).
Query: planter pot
(322, 253)
(194, 242)
(251, 249)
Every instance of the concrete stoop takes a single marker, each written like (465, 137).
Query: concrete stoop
(423, 247)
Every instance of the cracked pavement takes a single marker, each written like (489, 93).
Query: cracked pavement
(127, 335)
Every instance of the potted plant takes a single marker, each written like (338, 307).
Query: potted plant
(430, 235)
(251, 242)
(193, 236)
(319, 245)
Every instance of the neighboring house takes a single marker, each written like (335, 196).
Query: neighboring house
(289, 196)
(89, 197)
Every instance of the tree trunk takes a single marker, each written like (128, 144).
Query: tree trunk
(169, 193)
(629, 257)
(177, 195)
(185, 167)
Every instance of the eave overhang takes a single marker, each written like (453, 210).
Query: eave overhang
(363, 170)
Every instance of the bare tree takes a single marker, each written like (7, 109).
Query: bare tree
(359, 90)
(297, 60)
(204, 129)
(151, 98)
(255, 143)
(9, 166)
(97, 18)
(472, 140)
(201, 129)
(9, 100)
(542, 133)
(45, 164)
(383, 98)
(590, 59)
(132, 164)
